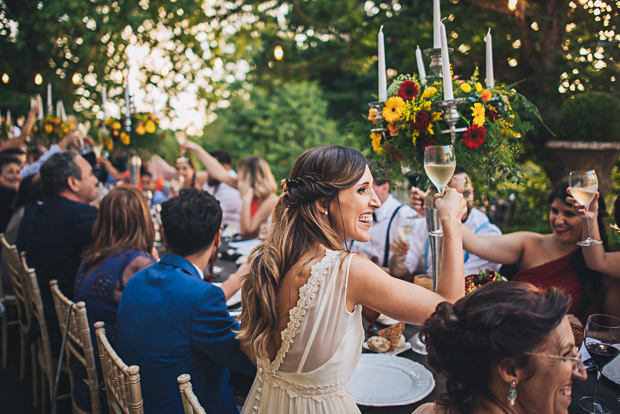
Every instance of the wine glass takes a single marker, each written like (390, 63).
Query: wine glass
(602, 336)
(583, 187)
(439, 164)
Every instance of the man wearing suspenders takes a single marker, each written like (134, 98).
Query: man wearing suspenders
(384, 228)
(414, 255)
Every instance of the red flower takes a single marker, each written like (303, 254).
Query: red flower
(427, 142)
(422, 121)
(491, 113)
(474, 136)
(392, 152)
(408, 90)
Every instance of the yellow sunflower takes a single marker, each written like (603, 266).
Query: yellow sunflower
(466, 87)
(376, 143)
(393, 109)
(150, 127)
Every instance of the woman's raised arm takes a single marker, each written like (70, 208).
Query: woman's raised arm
(213, 166)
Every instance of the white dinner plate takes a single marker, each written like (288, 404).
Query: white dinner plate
(383, 380)
(234, 299)
(386, 320)
(397, 351)
(612, 370)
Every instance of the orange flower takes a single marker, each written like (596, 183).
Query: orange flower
(486, 95)
(393, 128)
(372, 114)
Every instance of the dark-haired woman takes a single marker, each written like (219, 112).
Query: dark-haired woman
(505, 348)
(547, 260)
(597, 257)
(301, 316)
(188, 174)
(124, 235)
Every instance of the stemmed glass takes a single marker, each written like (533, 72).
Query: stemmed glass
(583, 187)
(602, 336)
(439, 164)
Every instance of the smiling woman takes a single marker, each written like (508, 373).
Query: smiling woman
(9, 183)
(506, 347)
(547, 260)
(301, 320)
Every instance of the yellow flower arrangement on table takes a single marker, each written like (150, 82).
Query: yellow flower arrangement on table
(143, 133)
(488, 132)
(51, 129)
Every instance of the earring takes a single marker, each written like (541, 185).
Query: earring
(512, 392)
(324, 212)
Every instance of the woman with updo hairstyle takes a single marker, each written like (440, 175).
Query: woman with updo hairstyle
(505, 348)
(302, 298)
(124, 235)
(255, 182)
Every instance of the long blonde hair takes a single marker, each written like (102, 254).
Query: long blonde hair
(297, 228)
(254, 173)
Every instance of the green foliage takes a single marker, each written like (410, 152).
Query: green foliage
(590, 116)
(277, 125)
(528, 208)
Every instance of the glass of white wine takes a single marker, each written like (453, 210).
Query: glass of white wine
(583, 188)
(439, 164)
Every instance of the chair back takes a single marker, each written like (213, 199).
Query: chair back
(122, 383)
(190, 401)
(21, 284)
(79, 343)
(36, 307)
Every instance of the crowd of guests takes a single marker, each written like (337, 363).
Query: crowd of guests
(161, 315)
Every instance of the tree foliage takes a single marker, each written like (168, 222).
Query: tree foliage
(278, 125)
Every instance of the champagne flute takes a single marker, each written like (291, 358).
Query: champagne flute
(602, 336)
(439, 164)
(583, 187)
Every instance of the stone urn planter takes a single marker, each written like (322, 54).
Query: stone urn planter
(583, 156)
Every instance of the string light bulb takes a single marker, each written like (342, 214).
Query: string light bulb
(76, 78)
(278, 52)
(5, 78)
(38, 79)
(512, 5)
(218, 62)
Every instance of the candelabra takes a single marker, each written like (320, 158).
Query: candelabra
(451, 116)
(379, 120)
(435, 55)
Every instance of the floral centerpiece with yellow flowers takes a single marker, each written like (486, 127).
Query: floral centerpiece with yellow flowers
(143, 134)
(51, 129)
(489, 130)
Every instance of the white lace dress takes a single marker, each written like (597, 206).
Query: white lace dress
(320, 349)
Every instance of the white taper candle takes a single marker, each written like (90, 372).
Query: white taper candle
(448, 94)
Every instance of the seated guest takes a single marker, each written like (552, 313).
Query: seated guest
(171, 322)
(384, 227)
(188, 175)
(229, 198)
(505, 348)
(596, 256)
(547, 260)
(148, 185)
(54, 234)
(29, 191)
(18, 142)
(124, 235)
(414, 255)
(255, 183)
(9, 183)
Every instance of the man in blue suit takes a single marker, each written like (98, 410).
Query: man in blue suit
(171, 322)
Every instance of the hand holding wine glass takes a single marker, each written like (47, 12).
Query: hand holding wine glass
(602, 338)
(583, 188)
(439, 164)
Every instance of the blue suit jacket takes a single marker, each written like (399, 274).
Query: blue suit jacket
(171, 322)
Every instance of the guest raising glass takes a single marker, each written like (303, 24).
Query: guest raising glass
(301, 317)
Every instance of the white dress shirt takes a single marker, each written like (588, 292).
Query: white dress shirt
(419, 257)
(229, 197)
(379, 227)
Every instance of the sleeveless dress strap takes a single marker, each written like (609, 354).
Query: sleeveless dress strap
(321, 310)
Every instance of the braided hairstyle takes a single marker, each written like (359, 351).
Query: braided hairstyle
(298, 227)
(465, 341)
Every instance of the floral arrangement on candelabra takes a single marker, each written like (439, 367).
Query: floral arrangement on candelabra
(473, 282)
(51, 129)
(139, 133)
(485, 132)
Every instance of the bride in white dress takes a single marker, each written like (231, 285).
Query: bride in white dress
(301, 319)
